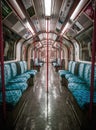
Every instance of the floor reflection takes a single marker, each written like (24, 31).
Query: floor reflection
(46, 110)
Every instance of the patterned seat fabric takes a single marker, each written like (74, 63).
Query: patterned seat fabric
(69, 75)
(75, 86)
(30, 72)
(75, 79)
(17, 86)
(14, 84)
(82, 97)
(62, 73)
(87, 75)
(73, 71)
(12, 97)
(15, 74)
(80, 85)
(18, 80)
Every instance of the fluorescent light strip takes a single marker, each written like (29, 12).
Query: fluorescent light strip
(66, 27)
(78, 8)
(17, 7)
(29, 27)
(48, 30)
(47, 7)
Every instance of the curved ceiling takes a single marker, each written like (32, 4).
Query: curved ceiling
(27, 18)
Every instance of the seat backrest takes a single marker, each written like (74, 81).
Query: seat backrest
(70, 65)
(81, 70)
(13, 69)
(87, 75)
(87, 72)
(7, 74)
(22, 67)
(25, 65)
(73, 67)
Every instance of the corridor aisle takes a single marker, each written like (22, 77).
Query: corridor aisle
(46, 111)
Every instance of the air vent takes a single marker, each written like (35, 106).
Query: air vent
(25, 34)
(77, 27)
(22, 32)
(31, 11)
(18, 27)
(84, 21)
(29, 7)
(12, 19)
(71, 33)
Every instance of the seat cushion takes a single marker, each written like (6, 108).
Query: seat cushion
(75, 79)
(77, 86)
(18, 80)
(12, 97)
(69, 75)
(62, 73)
(83, 97)
(24, 75)
(31, 72)
(17, 86)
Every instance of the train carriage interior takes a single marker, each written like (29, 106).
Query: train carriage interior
(48, 64)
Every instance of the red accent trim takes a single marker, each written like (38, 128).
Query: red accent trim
(61, 53)
(47, 57)
(93, 64)
(2, 64)
(34, 55)
(88, 2)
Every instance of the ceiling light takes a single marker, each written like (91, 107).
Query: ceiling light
(47, 25)
(29, 27)
(78, 8)
(66, 27)
(17, 8)
(47, 7)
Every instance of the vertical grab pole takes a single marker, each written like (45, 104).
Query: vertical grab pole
(56, 53)
(93, 62)
(34, 55)
(61, 53)
(2, 64)
(47, 56)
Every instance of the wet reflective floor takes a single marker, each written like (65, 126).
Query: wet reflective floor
(46, 110)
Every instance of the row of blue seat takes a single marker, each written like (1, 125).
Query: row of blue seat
(56, 63)
(16, 76)
(78, 76)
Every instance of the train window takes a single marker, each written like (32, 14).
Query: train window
(10, 39)
(6, 10)
(85, 41)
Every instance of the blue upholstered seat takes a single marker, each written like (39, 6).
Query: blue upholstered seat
(12, 97)
(82, 97)
(75, 79)
(12, 73)
(69, 75)
(25, 75)
(14, 84)
(18, 80)
(80, 85)
(62, 73)
(30, 72)
(77, 86)
(17, 86)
